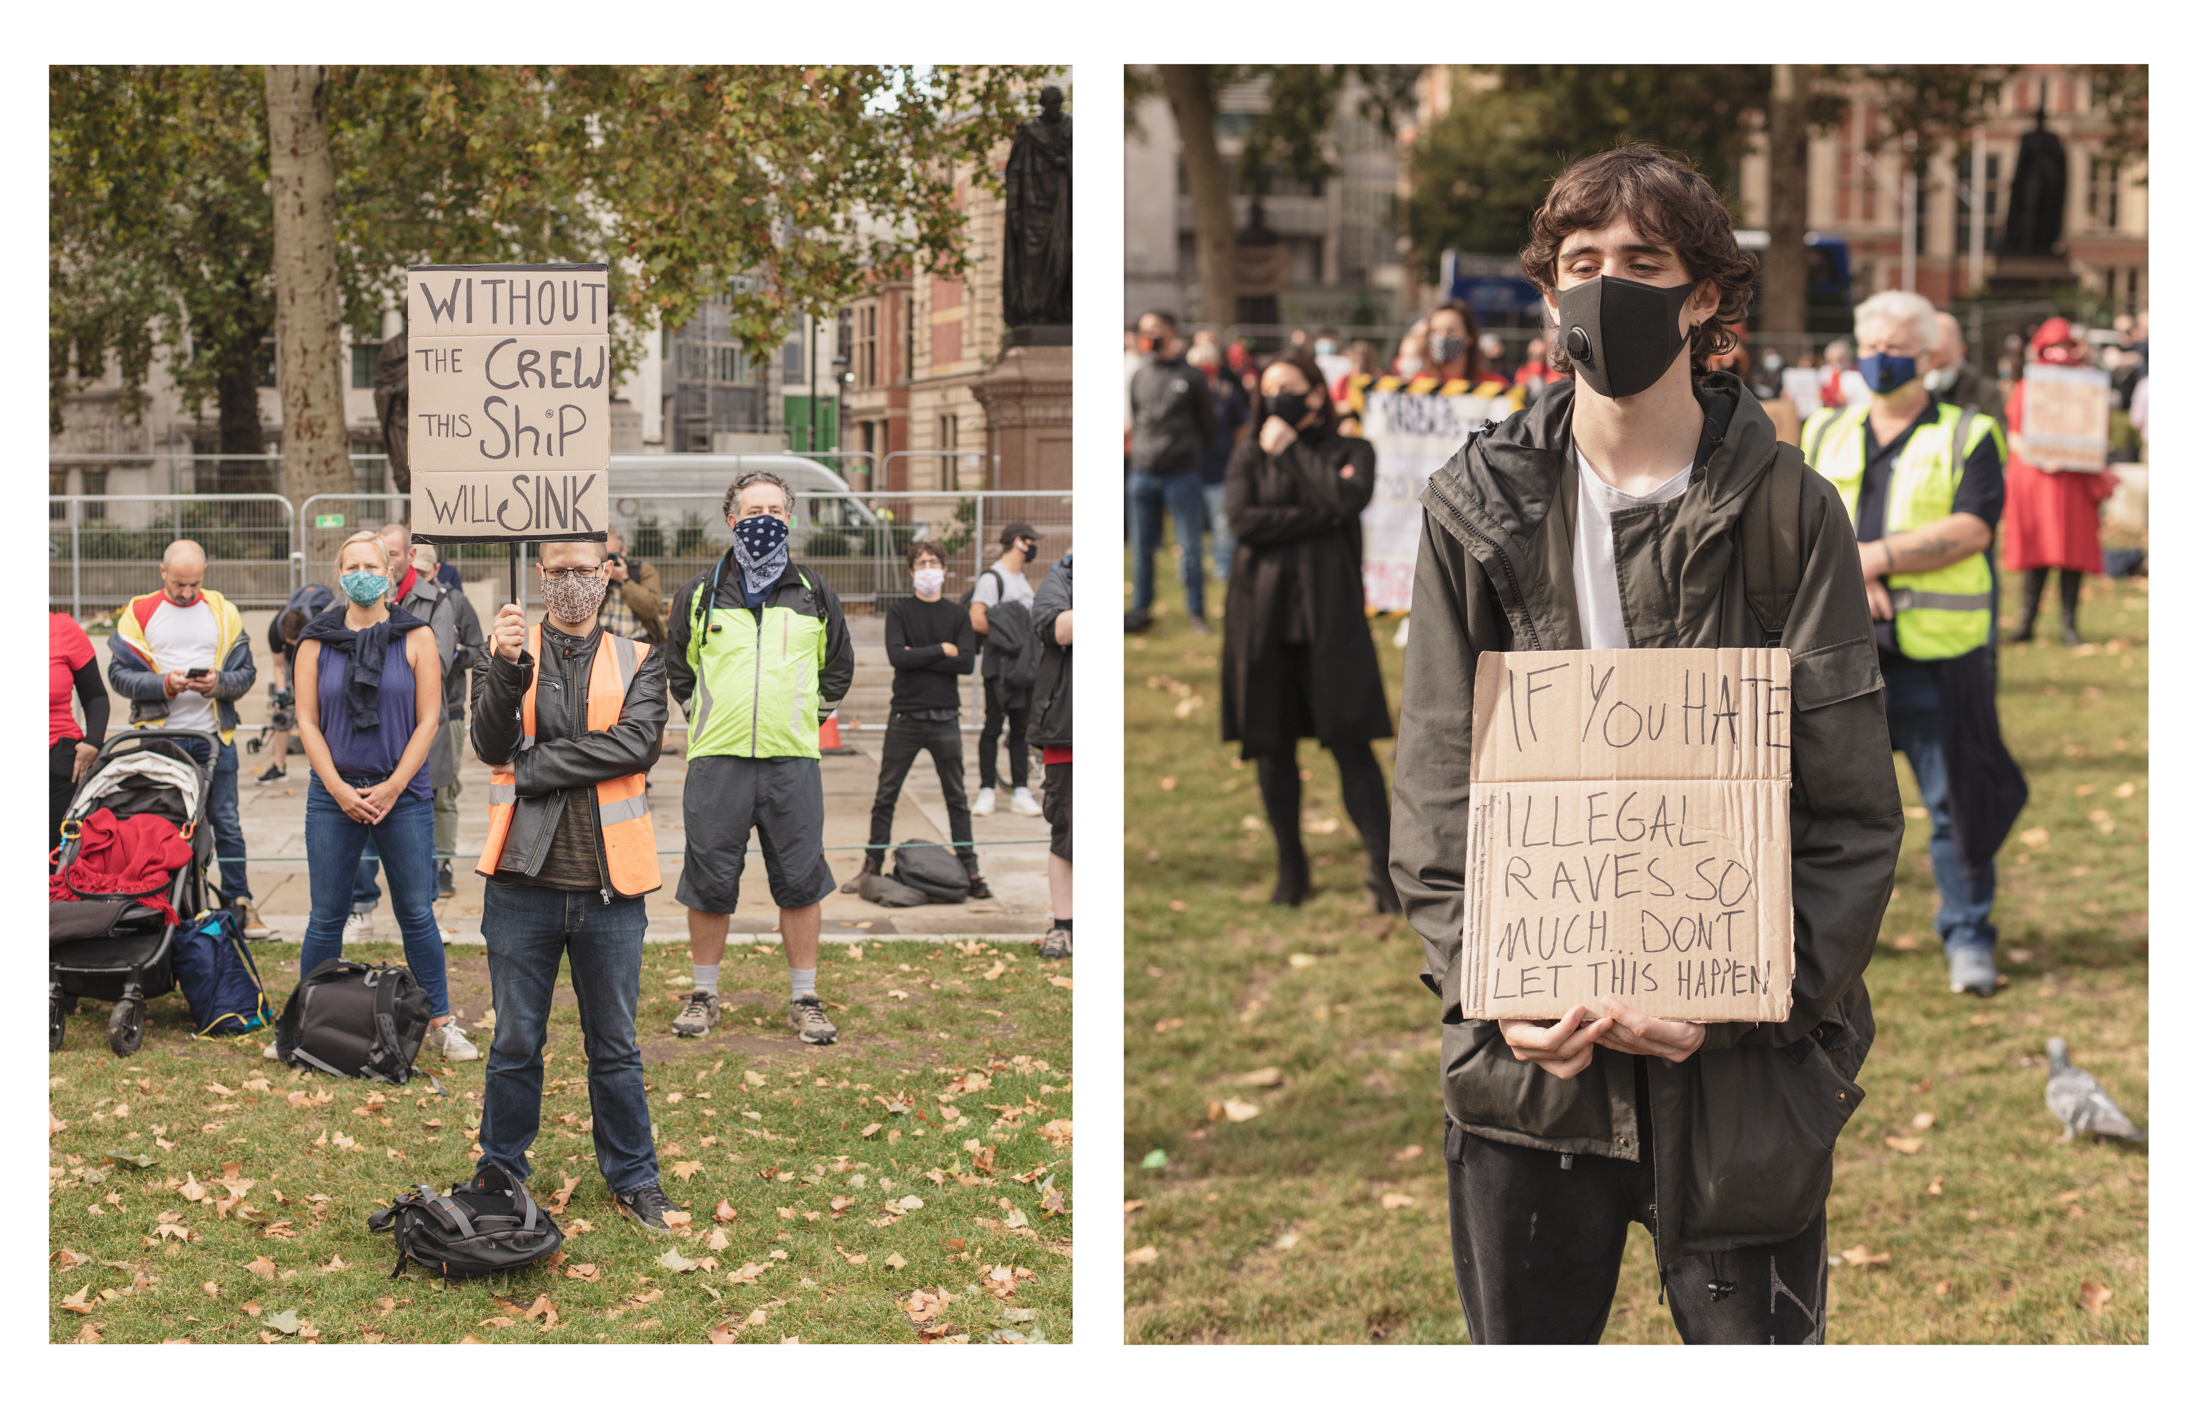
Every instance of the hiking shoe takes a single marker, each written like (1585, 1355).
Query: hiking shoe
(1971, 970)
(979, 890)
(271, 775)
(1023, 804)
(249, 921)
(983, 807)
(854, 884)
(807, 1017)
(444, 889)
(1056, 945)
(450, 1039)
(359, 924)
(646, 1206)
(698, 1016)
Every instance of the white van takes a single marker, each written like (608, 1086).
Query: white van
(670, 508)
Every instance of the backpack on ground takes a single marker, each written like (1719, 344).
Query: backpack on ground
(354, 1019)
(489, 1225)
(220, 982)
(886, 891)
(933, 869)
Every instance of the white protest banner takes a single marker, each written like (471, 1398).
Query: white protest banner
(1413, 436)
(2066, 417)
(1628, 835)
(509, 368)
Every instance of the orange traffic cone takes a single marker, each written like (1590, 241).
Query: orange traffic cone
(828, 738)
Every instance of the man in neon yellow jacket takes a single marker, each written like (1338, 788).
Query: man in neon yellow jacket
(1922, 481)
(181, 657)
(758, 656)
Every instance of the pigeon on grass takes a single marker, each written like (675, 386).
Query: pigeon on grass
(2077, 1100)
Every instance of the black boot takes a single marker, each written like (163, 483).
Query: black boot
(1292, 876)
(979, 890)
(870, 868)
(2071, 580)
(2035, 582)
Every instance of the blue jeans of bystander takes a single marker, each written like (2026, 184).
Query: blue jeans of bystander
(406, 839)
(1178, 495)
(1913, 724)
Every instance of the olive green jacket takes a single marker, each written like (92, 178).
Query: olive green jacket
(1744, 1129)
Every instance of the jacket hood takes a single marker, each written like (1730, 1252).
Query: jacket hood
(1505, 479)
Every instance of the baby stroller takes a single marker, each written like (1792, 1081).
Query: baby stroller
(119, 947)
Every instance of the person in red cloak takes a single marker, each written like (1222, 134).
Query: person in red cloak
(2053, 520)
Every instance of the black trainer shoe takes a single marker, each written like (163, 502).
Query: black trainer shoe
(444, 890)
(272, 774)
(646, 1206)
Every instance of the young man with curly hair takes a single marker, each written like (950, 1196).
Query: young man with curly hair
(1611, 514)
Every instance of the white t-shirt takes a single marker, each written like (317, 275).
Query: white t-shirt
(184, 638)
(1596, 572)
(1004, 577)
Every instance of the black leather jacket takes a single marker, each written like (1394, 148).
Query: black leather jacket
(567, 759)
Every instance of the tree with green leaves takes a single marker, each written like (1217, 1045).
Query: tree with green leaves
(791, 187)
(1287, 133)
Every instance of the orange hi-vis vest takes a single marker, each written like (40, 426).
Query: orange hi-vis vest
(622, 810)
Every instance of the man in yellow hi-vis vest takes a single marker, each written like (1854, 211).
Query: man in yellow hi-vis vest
(569, 717)
(1922, 482)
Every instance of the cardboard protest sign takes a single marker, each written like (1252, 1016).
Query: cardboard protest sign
(509, 368)
(1413, 436)
(2066, 416)
(1629, 835)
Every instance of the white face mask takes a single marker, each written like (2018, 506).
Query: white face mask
(1940, 378)
(1409, 366)
(929, 581)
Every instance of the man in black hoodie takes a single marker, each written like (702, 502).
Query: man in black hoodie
(1613, 513)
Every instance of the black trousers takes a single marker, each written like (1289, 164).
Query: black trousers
(1019, 751)
(1536, 1251)
(905, 739)
(60, 763)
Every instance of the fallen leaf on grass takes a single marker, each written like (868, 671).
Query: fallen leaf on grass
(497, 1323)
(1139, 1257)
(872, 1129)
(725, 1212)
(1905, 1144)
(1943, 1288)
(896, 1261)
(673, 1262)
(1057, 1133)
(854, 1259)
(1923, 1120)
(79, 1302)
(2035, 837)
(583, 1272)
(261, 1267)
(749, 1272)
(679, 1218)
(284, 1321)
(1396, 1200)
(1934, 1187)
(1409, 1152)
(556, 1203)
(1059, 982)
(686, 1169)
(1239, 1111)
(2092, 1296)
(1862, 1256)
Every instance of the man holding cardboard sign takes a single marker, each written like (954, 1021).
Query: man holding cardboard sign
(1647, 912)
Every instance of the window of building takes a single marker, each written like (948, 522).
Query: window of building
(2101, 191)
(867, 349)
(266, 360)
(790, 357)
(364, 356)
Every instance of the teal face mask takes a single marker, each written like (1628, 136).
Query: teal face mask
(365, 588)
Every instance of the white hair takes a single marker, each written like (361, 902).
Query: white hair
(1900, 306)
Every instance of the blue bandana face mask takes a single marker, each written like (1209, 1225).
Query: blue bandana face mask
(760, 548)
(365, 588)
(1884, 372)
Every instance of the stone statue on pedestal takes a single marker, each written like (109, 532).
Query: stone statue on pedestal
(2036, 196)
(1035, 255)
(392, 407)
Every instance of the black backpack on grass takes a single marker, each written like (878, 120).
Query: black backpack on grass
(352, 1019)
(929, 867)
(489, 1225)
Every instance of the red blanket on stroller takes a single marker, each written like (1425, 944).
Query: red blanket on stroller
(135, 856)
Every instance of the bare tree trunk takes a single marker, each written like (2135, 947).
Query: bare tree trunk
(308, 311)
(1785, 318)
(1192, 99)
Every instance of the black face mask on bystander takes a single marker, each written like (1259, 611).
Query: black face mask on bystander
(1620, 335)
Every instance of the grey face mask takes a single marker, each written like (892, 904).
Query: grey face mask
(1620, 335)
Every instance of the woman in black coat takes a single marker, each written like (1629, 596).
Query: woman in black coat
(1297, 658)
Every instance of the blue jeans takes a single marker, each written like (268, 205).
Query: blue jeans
(1218, 524)
(221, 810)
(1913, 723)
(1180, 495)
(529, 929)
(406, 839)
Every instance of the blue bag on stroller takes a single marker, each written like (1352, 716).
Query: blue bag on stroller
(218, 978)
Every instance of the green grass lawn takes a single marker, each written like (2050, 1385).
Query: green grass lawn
(1319, 1214)
(908, 1183)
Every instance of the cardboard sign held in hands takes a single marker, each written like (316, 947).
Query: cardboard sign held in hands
(510, 380)
(1629, 835)
(2066, 417)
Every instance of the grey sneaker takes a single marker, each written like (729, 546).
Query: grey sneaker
(450, 1039)
(1056, 945)
(646, 1206)
(1971, 970)
(698, 1016)
(807, 1017)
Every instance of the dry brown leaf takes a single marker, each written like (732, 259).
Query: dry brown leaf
(717, 1241)
(2092, 1296)
(1408, 1153)
(80, 1301)
(583, 1272)
(1057, 1133)
(1923, 1120)
(679, 1218)
(1934, 1187)
(1396, 1200)
(686, 1169)
(261, 1267)
(556, 1203)
(725, 1212)
(1239, 1111)
(1139, 1257)
(1863, 1256)
(1905, 1144)
(1943, 1288)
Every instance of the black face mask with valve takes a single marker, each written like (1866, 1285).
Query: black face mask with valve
(1620, 335)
